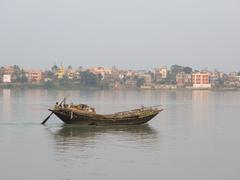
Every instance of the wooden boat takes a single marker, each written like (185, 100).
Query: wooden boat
(86, 115)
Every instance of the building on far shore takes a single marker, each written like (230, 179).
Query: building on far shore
(232, 80)
(7, 78)
(60, 73)
(217, 78)
(34, 75)
(101, 71)
(201, 80)
(8, 74)
(160, 73)
(183, 79)
(72, 74)
(147, 78)
(131, 84)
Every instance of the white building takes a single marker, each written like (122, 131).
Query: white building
(147, 78)
(101, 70)
(160, 74)
(7, 78)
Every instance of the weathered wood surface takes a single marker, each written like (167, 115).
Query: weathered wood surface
(71, 115)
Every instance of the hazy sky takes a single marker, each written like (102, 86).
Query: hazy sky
(132, 34)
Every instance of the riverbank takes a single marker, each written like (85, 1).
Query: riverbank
(76, 86)
(61, 86)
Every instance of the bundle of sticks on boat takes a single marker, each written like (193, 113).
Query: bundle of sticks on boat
(143, 111)
(76, 108)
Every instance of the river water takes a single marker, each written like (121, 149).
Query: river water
(197, 136)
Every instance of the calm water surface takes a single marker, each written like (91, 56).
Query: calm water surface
(196, 137)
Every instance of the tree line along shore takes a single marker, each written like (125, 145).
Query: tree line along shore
(59, 77)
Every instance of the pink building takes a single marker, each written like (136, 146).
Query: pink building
(201, 80)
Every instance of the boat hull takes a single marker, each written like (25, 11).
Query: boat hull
(100, 121)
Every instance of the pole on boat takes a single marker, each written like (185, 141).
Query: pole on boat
(45, 120)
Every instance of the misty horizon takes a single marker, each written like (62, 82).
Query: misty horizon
(127, 34)
(89, 67)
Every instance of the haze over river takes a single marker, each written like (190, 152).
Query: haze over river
(197, 136)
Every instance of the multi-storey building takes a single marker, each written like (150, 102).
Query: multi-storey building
(183, 79)
(34, 75)
(101, 71)
(160, 73)
(8, 74)
(201, 80)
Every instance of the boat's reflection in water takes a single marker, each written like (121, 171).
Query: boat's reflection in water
(70, 138)
(70, 131)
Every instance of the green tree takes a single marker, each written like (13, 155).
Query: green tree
(16, 68)
(23, 77)
(140, 82)
(69, 67)
(89, 79)
(187, 70)
(175, 69)
(54, 68)
(49, 74)
(17, 73)
(1, 70)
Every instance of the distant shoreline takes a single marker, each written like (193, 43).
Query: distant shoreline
(78, 86)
